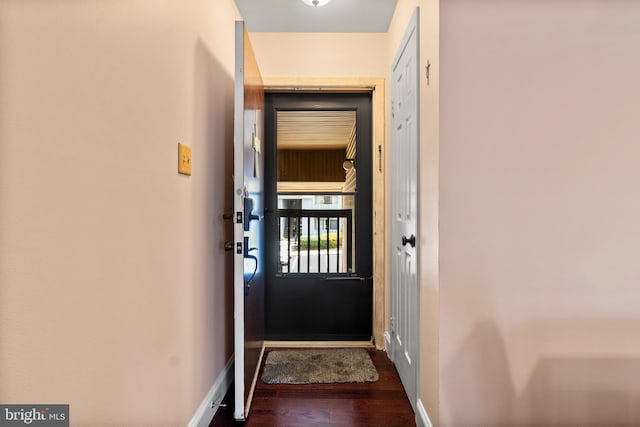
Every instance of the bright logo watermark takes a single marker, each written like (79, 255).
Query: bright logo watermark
(34, 415)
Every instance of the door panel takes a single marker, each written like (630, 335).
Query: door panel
(248, 228)
(319, 292)
(404, 207)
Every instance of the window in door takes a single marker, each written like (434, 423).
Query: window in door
(316, 188)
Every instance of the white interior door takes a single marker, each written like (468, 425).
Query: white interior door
(248, 223)
(404, 209)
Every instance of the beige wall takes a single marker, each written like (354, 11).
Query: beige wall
(428, 205)
(539, 213)
(321, 54)
(113, 295)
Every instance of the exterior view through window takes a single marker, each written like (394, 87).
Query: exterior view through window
(316, 173)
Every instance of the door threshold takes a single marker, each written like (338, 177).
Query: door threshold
(320, 344)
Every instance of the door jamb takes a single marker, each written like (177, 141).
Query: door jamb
(375, 86)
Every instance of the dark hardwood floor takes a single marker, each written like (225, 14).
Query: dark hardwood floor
(383, 403)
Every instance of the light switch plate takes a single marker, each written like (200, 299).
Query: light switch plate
(184, 159)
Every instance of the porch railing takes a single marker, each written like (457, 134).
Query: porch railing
(315, 240)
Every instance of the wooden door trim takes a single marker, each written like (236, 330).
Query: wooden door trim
(375, 86)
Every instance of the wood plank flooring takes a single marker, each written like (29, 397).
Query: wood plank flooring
(383, 403)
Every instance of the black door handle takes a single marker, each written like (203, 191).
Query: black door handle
(411, 240)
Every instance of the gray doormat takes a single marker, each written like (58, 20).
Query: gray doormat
(340, 365)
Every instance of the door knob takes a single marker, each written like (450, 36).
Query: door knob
(228, 246)
(411, 240)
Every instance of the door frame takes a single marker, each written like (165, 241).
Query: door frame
(375, 86)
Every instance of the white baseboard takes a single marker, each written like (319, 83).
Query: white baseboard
(422, 418)
(387, 341)
(205, 413)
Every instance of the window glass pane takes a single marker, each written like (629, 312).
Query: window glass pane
(315, 238)
(316, 186)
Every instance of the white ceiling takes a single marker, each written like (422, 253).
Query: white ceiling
(339, 16)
